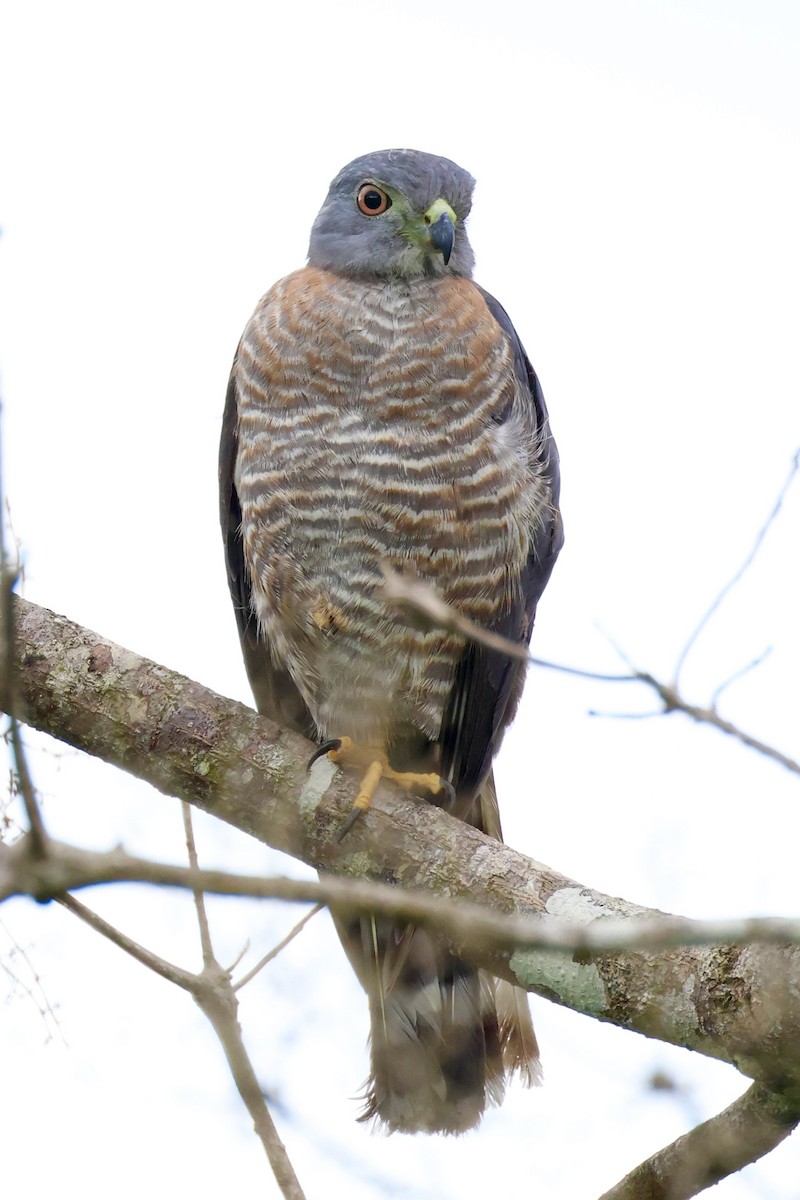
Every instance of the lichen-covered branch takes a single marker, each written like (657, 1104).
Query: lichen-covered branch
(737, 1003)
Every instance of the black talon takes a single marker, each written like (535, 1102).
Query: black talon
(321, 751)
(448, 802)
(349, 822)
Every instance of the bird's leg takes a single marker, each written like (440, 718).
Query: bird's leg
(344, 750)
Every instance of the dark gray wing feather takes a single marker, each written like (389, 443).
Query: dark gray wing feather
(488, 684)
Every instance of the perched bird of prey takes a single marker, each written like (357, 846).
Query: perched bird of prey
(381, 410)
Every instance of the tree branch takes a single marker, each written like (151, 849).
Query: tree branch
(673, 701)
(219, 1004)
(734, 1003)
(214, 995)
(470, 927)
(420, 598)
(747, 1130)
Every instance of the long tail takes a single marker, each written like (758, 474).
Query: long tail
(444, 1035)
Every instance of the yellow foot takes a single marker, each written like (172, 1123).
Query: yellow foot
(345, 750)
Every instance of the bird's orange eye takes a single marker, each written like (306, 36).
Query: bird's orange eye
(372, 200)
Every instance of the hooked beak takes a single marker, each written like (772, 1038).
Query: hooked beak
(441, 221)
(443, 234)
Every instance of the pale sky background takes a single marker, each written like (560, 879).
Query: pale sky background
(638, 171)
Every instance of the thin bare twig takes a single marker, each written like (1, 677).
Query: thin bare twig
(737, 575)
(468, 924)
(580, 673)
(214, 995)
(199, 904)
(275, 951)
(160, 966)
(238, 958)
(8, 682)
(421, 598)
(34, 991)
(735, 675)
(744, 1132)
(219, 1004)
(674, 702)
(26, 788)
(410, 592)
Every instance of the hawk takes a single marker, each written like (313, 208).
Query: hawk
(381, 410)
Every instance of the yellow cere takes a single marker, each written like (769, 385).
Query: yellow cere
(436, 209)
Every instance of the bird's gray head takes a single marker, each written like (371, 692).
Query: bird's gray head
(395, 213)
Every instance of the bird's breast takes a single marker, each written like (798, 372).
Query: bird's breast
(373, 425)
(374, 407)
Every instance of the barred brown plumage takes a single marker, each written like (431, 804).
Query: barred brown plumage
(381, 409)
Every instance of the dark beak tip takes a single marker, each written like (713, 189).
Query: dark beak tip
(443, 235)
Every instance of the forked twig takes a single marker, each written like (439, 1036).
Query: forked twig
(739, 572)
(421, 598)
(214, 995)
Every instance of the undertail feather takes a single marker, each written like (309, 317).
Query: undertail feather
(520, 1048)
(436, 1051)
(445, 1036)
